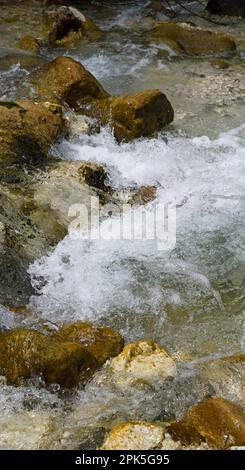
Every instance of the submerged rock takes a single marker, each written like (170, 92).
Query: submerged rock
(28, 43)
(67, 25)
(226, 7)
(102, 342)
(25, 430)
(25, 352)
(184, 38)
(134, 436)
(216, 421)
(66, 80)
(142, 362)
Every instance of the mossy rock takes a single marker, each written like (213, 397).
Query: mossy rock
(192, 40)
(25, 352)
(102, 342)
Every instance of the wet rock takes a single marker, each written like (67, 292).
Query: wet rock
(142, 362)
(25, 352)
(66, 80)
(67, 25)
(134, 436)
(226, 376)
(187, 39)
(218, 422)
(24, 430)
(137, 115)
(94, 175)
(102, 342)
(142, 196)
(28, 129)
(28, 43)
(226, 7)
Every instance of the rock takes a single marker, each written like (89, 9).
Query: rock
(28, 43)
(28, 129)
(102, 342)
(192, 40)
(137, 115)
(219, 422)
(66, 80)
(226, 7)
(134, 436)
(142, 195)
(25, 352)
(67, 25)
(142, 362)
(226, 376)
(94, 175)
(24, 430)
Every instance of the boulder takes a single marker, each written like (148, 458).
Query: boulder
(191, 40)
(25, 352)
(226, 7)
(134, 116)
(67, 25)
(218, 422)
(134, 436)
(66, 80)
(142, 362)
(28, 129)
(102, 342)
(28, 43)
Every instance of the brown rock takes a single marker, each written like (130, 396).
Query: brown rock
(94, 175)
(134, 436)
(25, 352)
(28, 129)
(65, 79)
(219, 422)
(192, 40)
(137, 115)
(101, 342)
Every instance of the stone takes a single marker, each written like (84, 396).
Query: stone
(28, 129)
(102, 342)
(226, 7)
(28, 43)
(94, 175)
(137, 115)
(218, 422)
(66, 80)
(67, 25)
(134, 436)
(142, 362)
(191, 40)
(25, 352)
(24, 430)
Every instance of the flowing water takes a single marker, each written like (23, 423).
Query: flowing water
(190, 299)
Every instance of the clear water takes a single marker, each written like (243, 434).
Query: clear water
(191, 299)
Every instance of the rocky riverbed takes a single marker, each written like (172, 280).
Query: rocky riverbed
(110, 342)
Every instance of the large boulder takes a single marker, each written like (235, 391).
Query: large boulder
(134, 436)
(28, 129)
(226, 7)
(25, 352)
(142, 362)
(66, 80)
(67, 25)
(133, 116)
(102, 342)
(217, 421)
(191, 40)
